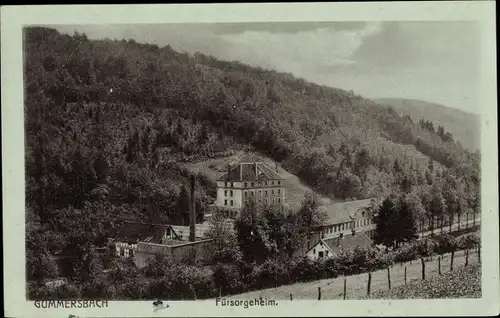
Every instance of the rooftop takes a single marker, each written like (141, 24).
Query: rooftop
(251, 171)
(183, 231)
(347, 242)
(133, 232)
(346, 211)
(153, 248)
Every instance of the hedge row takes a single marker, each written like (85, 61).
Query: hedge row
(180, 281)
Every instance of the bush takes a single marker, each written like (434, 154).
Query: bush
(227, 277)
(469, 241)
(425, 247)
(406, 254)
(358, 261)
(65, 291)
(331, 268)
(445, 244)
(306, 270)
(271, 273)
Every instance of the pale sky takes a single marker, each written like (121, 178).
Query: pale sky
(431, 61)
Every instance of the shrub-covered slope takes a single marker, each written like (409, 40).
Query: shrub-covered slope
(109, 125)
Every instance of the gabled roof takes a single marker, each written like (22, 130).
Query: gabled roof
(183, 231)
(347, 242)
(133, 232)
(346, 211)
(251, 171)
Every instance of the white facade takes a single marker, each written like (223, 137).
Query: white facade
(229, 194)
(364, 224)
(319, 251)
(232, 195)
(125, 249)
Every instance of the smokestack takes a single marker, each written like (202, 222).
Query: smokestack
(192, 212)
(276, 167)
(256, 173)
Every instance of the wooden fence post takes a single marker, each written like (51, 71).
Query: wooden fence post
(423, 268)
(451, 263)
(439, 264)
(389, 277)
(291, 297)
(194, 293)
(345, 287)
(466, 257)
(405, 275)
(369, 283)
(319, 293)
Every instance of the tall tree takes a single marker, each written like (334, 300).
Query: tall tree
(250, 231)
(226, 249)
(182, 207)
(384, 223)
(406, 228)
(437, 206)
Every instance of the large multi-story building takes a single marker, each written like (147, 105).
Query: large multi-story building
(249, 181)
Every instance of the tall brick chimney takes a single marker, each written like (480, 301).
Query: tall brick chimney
(192, 212)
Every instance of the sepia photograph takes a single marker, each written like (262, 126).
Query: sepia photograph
(251, 164)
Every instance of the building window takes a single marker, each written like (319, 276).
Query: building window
(326, 253)
(279, 182)
(273, 200)
(244, 184)
(231, 202)
(252, 184)
(314, 251)
(273, 191)
(265, 192)
(225, 192)
(272, 182)
(231, 193)
(227, 183)
(252, 193)
(246, 193)
(279, 200)
(122, 252)
(225, 202)
(232, 184)
(320, 254)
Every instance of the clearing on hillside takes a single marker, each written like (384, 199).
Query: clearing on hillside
(294, 188)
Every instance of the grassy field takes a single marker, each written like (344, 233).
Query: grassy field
(357, 284)
(461, 283)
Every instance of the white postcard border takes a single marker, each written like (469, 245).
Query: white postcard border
(14, 18)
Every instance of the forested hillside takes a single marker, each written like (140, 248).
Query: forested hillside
(465, 127)
(109, 122)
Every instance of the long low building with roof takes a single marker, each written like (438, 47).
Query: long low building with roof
(345, 216)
